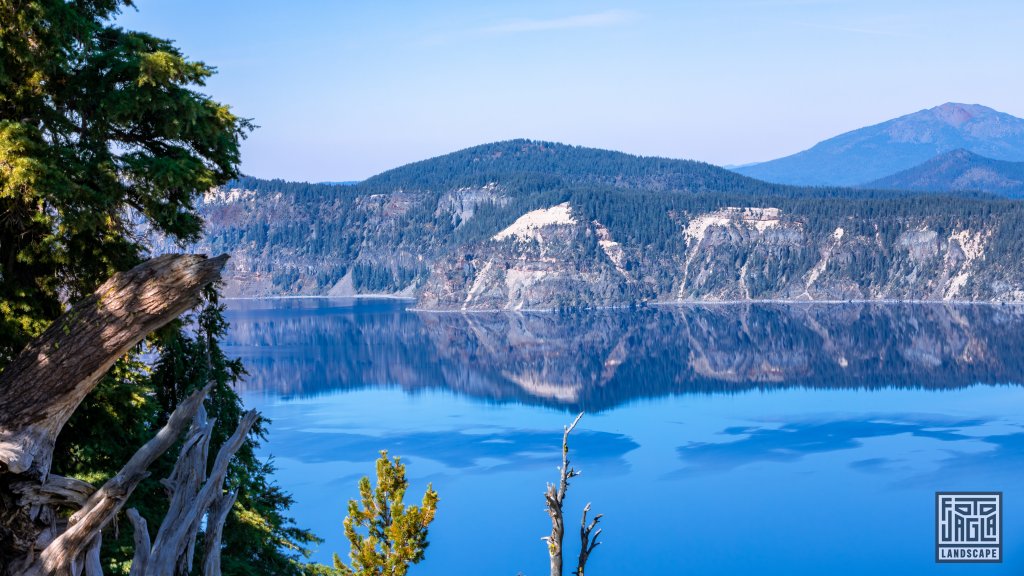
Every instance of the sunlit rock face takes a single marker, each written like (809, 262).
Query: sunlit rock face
(546, 259)
(555, 258)
(761, 254)
(549, 259)
(733, 254)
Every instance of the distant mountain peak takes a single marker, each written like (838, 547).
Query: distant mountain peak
(961, 153)
(877, 151)
(958, 170)
(956, 114)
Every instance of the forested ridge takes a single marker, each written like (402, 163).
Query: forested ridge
(387, 233)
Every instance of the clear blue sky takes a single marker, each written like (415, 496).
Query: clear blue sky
(344, 89)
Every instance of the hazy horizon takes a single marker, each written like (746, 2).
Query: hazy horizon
(342, 91)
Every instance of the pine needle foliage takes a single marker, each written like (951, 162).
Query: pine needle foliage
(385, 535)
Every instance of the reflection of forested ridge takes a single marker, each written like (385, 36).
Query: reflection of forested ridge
(600, 359)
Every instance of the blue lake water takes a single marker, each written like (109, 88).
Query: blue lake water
(728, 439)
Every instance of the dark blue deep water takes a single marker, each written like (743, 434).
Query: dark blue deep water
(728, 439)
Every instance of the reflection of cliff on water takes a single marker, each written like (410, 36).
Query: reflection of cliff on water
(597, 360)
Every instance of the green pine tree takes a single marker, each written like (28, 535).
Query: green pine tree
(385, 535)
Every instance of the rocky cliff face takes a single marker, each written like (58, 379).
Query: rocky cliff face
(546, 258)
(551, 258)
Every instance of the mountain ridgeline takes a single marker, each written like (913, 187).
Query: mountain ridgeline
(535, 225)
(959, 170)
(867, 154)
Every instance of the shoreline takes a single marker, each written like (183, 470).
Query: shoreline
(661, 304)
(319, 297)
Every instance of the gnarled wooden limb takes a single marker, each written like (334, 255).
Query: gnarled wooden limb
(554, 497)
(61, 556)
(588, 539)
(142, 542)
(45, 383)
(194, 493)
(42, 387)
(57, 491)
(215, 519)
(185, 482)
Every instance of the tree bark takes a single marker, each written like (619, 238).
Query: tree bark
(140, 537)
(93, 566)
(46, 382)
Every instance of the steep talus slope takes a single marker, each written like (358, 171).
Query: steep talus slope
(877, 151)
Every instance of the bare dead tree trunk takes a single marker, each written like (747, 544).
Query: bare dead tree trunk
(182, 486)
(192, 498)
(554, 497)
(43, 386)
(93, 566)
(194, 493)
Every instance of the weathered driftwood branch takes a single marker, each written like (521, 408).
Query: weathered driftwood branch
(141, 539)
(45, 383)
(554, 497)
(63, 555)
(588, 539)
(194, 493)
(182, 485)
(57, 491)
(215, 519)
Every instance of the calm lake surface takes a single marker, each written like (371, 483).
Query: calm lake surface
(725, 439)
